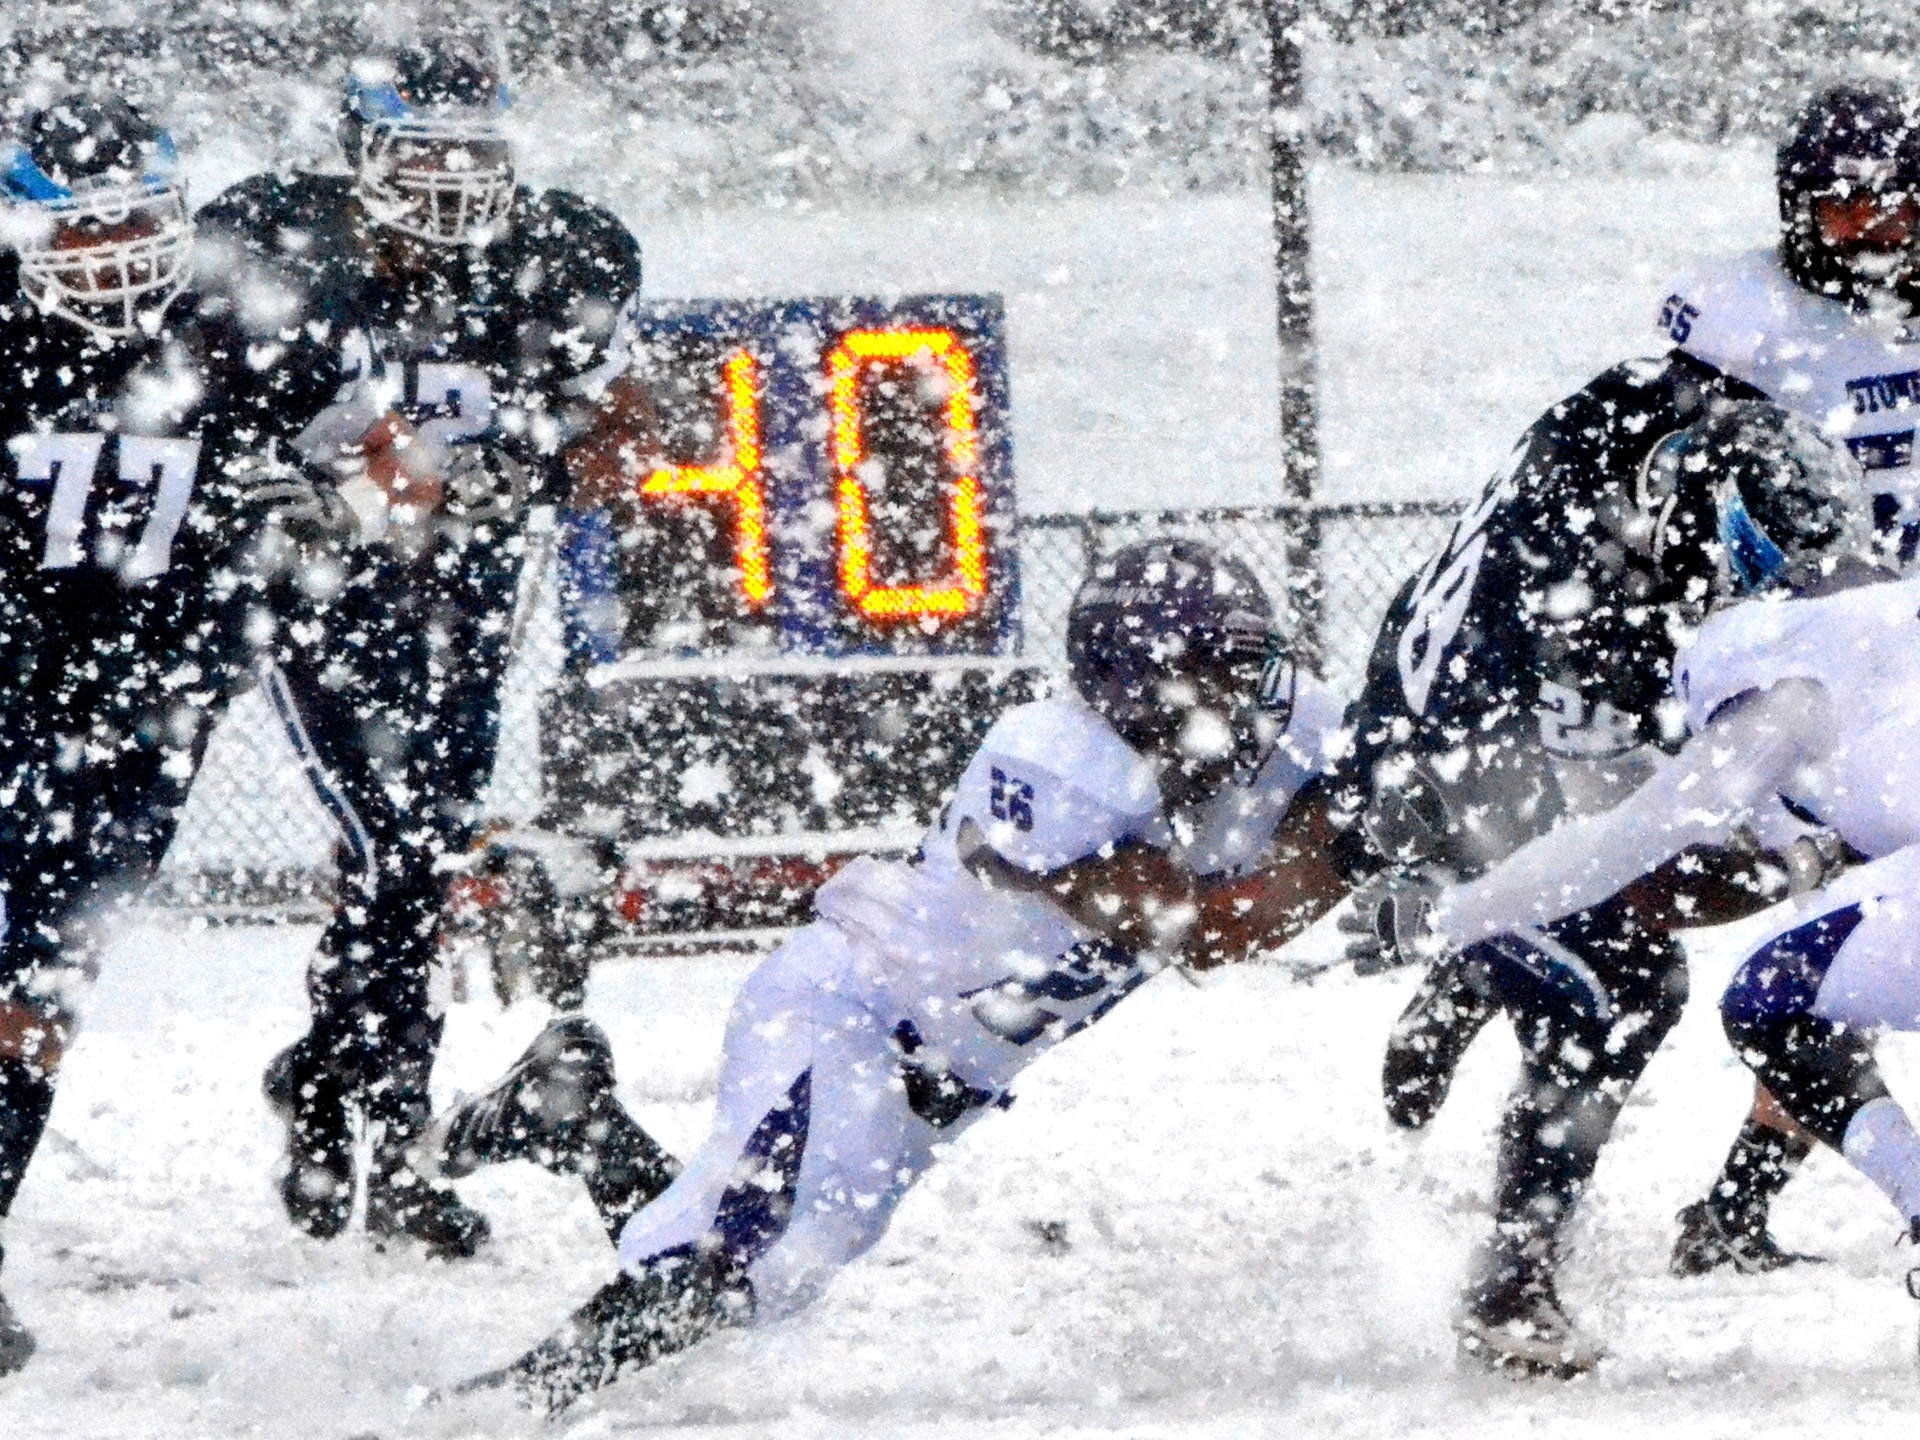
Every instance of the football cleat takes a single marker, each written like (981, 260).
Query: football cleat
(16, 1341)
(540, 1110)
(404, 1205)
(311, 1101)
(630, 1322)
(1425, 1047)
(1708, 1241)
(1520, 1329)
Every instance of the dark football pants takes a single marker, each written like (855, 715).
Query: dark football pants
(392, 698)
(1590, 1002)
(101, 745)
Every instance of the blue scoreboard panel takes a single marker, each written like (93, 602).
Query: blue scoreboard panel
(806, 613)
(849, 465)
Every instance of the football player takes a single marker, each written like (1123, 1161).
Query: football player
(1806, 701)
(1166, 812)
(496, 320)
(1520, 678)
(1822, 325)
(146, 439)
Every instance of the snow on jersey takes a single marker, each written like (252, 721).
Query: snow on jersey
(989, 979)
(493, 343)
(1855, 374)
(1863, 647)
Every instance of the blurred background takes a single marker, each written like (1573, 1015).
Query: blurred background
(762, 98)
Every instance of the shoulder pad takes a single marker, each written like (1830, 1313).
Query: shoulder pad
(594, 246)
(1069, 739)
(1725, 312)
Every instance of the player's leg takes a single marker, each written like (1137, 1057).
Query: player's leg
(1801, 1008)
(375, 1007)
(556, 1107)
(94, 832)
(1591, 1001)
(1729, 1226)
(676, 1285)
(446, 657)
(33, 1033)
(1446, 1013)
(815, 1145)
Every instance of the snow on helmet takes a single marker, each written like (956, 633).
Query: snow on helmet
(1175, 645)
(1852, 145)
(97, 214)
(1788, 505)
(422, 133)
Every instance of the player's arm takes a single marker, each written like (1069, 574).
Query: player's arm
(1719, 884)
(1137, 896)
(1738, 762)
(1238, 916)
(619, 446)
(1130, 893)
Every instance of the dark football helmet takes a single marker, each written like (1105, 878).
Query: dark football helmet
(97, 214)
(1176, 646)
(1849, 185)
(423, 135)
(1786, 506)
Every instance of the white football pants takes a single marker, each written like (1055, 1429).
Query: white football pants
(811, 1107)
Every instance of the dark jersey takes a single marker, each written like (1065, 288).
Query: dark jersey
(1538, 642)
(125, 507)
(493, 343)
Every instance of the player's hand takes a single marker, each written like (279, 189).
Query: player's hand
(305, 512)
(620, 448)
(1390, 923)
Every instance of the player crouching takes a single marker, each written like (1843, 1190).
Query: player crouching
(1093, 840)
(1799, 705)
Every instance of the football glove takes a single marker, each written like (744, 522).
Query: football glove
(1389, 925)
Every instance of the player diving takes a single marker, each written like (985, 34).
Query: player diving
(1094, 839)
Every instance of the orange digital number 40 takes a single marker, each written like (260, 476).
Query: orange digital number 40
(735, 475)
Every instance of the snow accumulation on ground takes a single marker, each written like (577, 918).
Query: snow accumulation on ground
(1196, 1223)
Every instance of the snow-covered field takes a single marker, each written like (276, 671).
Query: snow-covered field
(1245, 1248)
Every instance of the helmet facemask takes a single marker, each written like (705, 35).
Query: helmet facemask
(1857, 239)
(1848, 178)
(96, 216)
(423, 134)
(445, 179)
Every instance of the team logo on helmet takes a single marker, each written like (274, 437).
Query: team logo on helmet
(1786, 505)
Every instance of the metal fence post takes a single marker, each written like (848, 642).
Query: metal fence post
(1299, 382)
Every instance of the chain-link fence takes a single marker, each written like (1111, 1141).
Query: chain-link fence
(254, 836)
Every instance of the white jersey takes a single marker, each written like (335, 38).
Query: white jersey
(1855, 375)
(989, 979)
(1783, 755)
(1863, 647)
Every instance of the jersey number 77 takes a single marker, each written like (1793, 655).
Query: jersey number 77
(68, 464)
